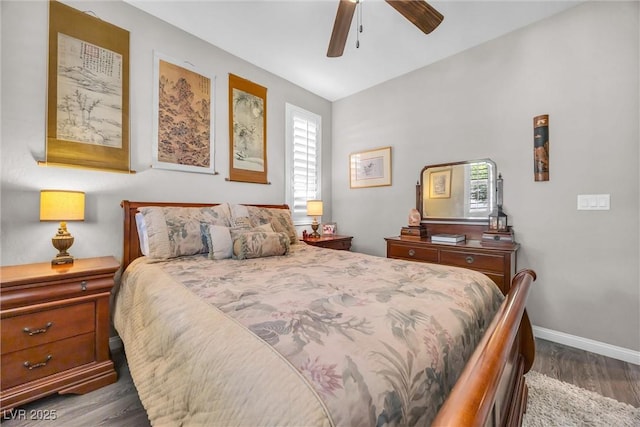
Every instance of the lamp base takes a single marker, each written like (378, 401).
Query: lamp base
(62, 260)
(62, 241)
(314, 227)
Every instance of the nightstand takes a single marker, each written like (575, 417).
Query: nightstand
(55, 329)
(334, 241)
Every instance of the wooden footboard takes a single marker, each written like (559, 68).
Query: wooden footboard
(491, 390)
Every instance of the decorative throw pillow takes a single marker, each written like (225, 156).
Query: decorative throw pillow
(240, 217)
(256, 244)
(143, 237)
(175, 231)
(219, 242)
(280, 219)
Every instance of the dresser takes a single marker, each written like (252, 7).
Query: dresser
(496, 260)
(55, 329)
(334, 241)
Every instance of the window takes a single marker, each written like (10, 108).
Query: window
(303, 172)
(478, 188)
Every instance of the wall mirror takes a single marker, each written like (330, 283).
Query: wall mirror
(460, 191)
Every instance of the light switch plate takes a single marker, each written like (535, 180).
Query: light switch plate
(594, 202)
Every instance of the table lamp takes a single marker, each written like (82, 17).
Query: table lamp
(314, 209)
(63, 206)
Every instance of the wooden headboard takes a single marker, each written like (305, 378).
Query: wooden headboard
(131, 242)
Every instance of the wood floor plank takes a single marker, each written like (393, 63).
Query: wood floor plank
(118, 405)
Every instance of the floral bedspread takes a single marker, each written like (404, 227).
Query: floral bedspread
(380, 341)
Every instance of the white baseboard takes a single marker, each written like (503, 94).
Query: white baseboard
(597, 347)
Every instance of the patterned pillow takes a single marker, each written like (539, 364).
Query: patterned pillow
(257, 244)
(176, 231)
(280, 219)
(219, 242)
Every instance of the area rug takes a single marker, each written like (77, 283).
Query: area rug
(555, 403)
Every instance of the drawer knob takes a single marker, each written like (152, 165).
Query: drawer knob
(83, 285)
(29, 366)
(412, 252)
(469, 259)
(32, 332)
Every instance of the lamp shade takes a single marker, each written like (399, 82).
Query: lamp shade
(60, 205)
(314, 207)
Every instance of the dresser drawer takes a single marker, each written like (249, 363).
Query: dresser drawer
(473, 260)
(36, 362)
(412, 253)
(30, 330)
(342, 245)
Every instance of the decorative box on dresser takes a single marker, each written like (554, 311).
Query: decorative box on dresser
(334, 241)
(495, 259)
(55, 329)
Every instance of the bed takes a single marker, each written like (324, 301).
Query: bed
(316, 337)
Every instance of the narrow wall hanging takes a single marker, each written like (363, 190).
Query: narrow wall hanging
(88, 92)
(183, 120)
(247, 131)
(541, 147)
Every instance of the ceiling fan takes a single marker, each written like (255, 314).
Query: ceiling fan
(419, 12)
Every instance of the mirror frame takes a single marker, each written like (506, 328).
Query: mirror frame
(421, 186)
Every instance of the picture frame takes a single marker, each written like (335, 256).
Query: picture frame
(370, 168)
(440, 184)
(329, 228)
(247, 131)
(87, 92)
(183, 119)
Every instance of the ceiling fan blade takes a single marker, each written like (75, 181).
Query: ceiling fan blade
(344, 16)
(419, 12)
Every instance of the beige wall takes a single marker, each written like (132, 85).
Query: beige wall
(24, 73)
(581, 68)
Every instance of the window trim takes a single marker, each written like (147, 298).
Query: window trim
(291, 111)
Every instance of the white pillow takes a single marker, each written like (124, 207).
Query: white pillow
(143, 237)
(219, 242)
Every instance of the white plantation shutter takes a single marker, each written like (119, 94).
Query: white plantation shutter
(303, 161)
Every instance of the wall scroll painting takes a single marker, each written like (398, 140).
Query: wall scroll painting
(541, 148)
(88, 91)
(247, 131)
(183, 120)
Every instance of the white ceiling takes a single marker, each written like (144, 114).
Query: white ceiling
(290, 38)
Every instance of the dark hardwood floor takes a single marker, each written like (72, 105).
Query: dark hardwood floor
(609, 377)
(118, 404)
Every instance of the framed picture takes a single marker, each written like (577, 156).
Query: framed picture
(440, 184)
(183, 117)
(370, 168)
(247, 131)
(88, 91)
(329, 229)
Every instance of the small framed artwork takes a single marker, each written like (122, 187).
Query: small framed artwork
(370, 168)
(440, 184)
(329, 229)
(183, 120)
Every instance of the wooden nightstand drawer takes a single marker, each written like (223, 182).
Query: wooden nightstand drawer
(412, 253)
(37, 362)
(476, 261)
(30, 330)
(335, 241)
